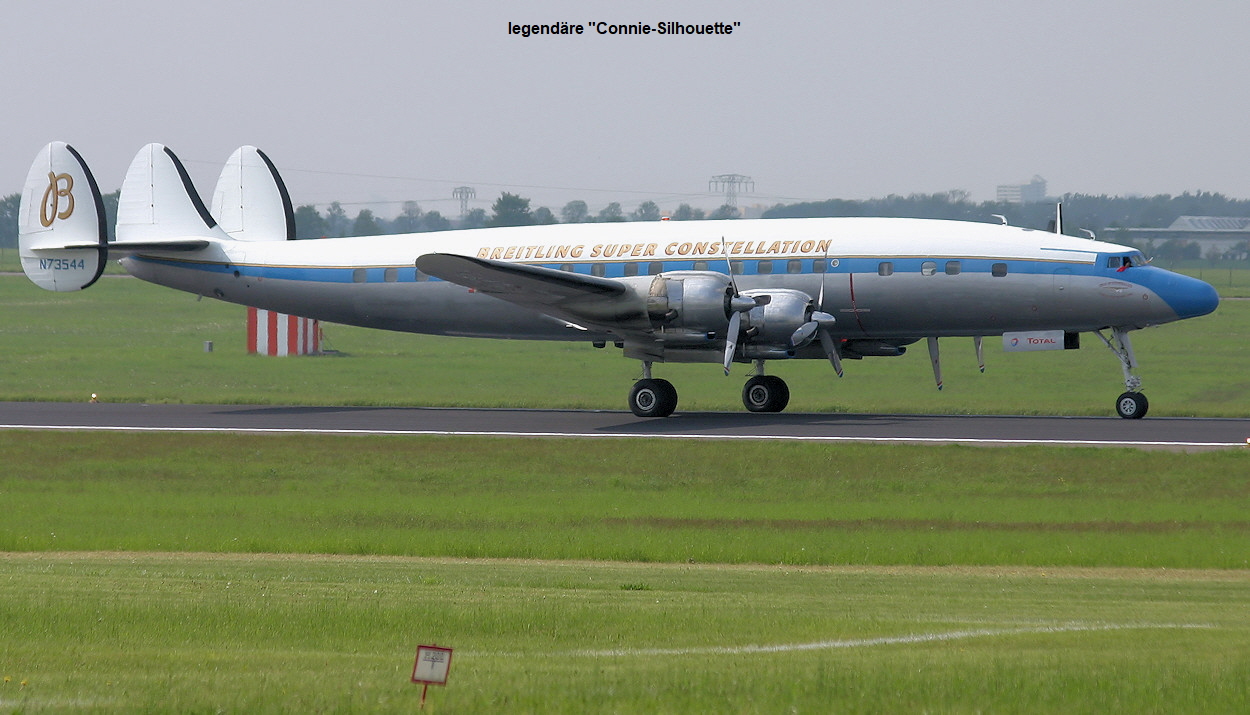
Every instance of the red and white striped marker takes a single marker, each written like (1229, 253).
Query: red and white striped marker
(272, 333)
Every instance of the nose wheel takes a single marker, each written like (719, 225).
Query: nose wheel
(1132, 405)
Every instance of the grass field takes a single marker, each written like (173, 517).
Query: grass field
(571, 578)
(198, 573)
(246, 633)
(133, 342)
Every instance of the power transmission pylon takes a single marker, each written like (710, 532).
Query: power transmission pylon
(730, 184)
(464, 193)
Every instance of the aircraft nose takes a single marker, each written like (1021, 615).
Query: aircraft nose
(1190, 297)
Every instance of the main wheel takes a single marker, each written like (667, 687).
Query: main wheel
(653, 398)
(1132, 405)
(766, 393)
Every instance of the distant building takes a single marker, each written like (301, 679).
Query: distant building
(1033, 192)
(1218, 233)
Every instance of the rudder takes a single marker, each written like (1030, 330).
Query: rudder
(159, 206)
(250, 201)
(62, 238)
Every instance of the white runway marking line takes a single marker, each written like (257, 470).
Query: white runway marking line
(626, 435)
(854, 643)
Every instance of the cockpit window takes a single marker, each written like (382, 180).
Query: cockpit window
(1119, 263)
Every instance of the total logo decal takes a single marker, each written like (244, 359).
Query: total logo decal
(1038, 340)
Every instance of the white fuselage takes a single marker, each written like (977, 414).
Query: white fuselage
(881, 278)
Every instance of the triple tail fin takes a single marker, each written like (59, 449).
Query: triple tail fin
(62, 238)
(251, 201)
(159, 208)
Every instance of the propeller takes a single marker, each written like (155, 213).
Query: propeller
(738, 304)
(819, 324)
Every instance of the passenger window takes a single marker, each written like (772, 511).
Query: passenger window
(819, 265)
(952, 268)
(655, 268)
(390, 275)
(566, 267)
(700, 265)
(794, 266)
(763, 267)
(928, 268)
(885, 268)
(359, 275)
(631, 269)
(598, 269)
(418, 275)
(736, 267)
(998, 270)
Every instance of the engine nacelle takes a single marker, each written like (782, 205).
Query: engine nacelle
(770, 326)
(695, 302)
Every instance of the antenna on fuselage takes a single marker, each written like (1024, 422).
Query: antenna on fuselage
(1056, 224)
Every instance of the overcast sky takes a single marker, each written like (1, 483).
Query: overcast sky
(813, 100)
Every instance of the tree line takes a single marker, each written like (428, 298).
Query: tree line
(1100, 214)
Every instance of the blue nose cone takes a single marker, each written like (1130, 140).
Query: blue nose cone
(1189, 297)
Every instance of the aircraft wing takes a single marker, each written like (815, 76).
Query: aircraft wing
(589, 301)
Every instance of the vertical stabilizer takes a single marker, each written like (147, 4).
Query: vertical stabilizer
(62, 239)
(159, 203)
(251, 202)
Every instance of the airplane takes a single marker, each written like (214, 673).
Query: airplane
(718, 292)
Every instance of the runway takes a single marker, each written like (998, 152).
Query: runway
(1149, 433)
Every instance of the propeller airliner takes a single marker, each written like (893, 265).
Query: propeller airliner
(716, 292)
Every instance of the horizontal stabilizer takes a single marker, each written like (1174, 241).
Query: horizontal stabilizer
(251, 202)
(61, 233)
(159, 204)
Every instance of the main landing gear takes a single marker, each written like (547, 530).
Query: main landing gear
(765, 393)
(1131, 405)
(652, 397)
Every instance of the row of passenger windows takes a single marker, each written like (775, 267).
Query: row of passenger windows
(929, 268)
(765, 267)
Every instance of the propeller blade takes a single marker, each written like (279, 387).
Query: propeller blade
(831, 349)
(803, 334)
(731, 339)
(729, 266)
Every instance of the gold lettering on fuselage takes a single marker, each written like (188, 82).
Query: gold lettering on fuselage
(627, 251)
(51, 208)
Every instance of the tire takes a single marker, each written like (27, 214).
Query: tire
(653, 398)
(766, 393)
(1132, 405)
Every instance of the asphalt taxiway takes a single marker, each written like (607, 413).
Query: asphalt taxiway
(1150, 433)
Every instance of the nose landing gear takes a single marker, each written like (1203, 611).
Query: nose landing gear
(1131, 405)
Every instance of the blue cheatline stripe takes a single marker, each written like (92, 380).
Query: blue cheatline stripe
(619, 269)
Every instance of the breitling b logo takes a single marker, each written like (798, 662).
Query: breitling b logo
(60, 186)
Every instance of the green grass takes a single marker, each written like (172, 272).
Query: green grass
(133, 342)
(627, 500)
(201, 633)
(1001, 580)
